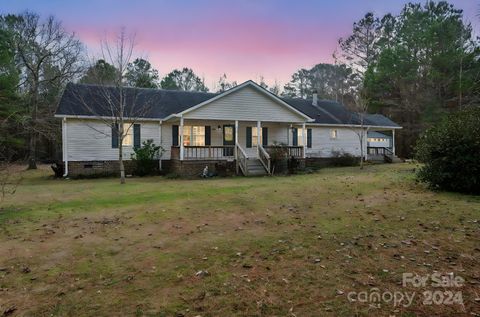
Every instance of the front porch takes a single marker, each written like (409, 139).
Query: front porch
(247, 144)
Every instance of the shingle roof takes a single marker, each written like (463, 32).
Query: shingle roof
(89, 100)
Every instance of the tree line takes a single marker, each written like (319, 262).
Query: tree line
(413, 67)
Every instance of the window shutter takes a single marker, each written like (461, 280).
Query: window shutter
(136, 136)
(249, 137)
(309, 138)
(264, 136)
(295, 136)
(208, 138)
(114, 135)
(174, 135)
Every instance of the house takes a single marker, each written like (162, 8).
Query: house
(234, 130)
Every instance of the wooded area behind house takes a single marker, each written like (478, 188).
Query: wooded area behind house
(412, 67)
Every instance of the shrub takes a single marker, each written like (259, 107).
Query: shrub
(344, 159)
(146, 158)
(278, 156)
(450, 152)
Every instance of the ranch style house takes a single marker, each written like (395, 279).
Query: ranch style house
(230, 132)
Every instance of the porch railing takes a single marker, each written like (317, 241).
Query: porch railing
(242, 159)
(264, 158)
(295, 151)
(209, 152)
(384, 152)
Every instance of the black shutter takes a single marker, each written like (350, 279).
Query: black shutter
(295, 136)
(208, 138)
(174, 135)
(114, 135)
(309, 138)
(264, 136)
(136, 136)
(249, 137)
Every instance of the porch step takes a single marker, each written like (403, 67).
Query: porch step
(255, 168)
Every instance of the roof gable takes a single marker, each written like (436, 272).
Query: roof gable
(247, 101)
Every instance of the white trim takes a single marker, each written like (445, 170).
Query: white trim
(245, 84)
(304, 136)
(393, 141)
(93, 117)
(65, 147)
(180, 131)
(160, 138)
(352, 126)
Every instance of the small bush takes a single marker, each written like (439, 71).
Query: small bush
(344, 159)
(146, 158)
(451, 153)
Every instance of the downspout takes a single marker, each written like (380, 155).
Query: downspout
(65, 147)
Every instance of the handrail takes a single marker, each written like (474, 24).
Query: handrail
(241, 158)
(264, 158)
(388, 150)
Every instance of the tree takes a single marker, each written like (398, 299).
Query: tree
(47, 55)
(140, 73)
(224, 85)
(275, 89)
(358, 119)
(262, 82)
(184, 79)
(361, 48)
(299, 86)
(119, 107)
(449, 151)
(9, 100)
(100, 73)
(336, 82)
(426, 64)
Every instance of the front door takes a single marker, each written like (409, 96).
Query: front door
(228, 139)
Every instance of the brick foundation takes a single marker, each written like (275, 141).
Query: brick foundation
(194, 169)
(98, 168)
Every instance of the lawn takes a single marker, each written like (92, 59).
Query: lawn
(270, 246)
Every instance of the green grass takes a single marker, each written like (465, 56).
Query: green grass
(98, 248)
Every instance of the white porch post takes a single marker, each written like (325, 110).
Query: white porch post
(304, 137)
(393, 141)
(236, 146)
(160, 141)
(181, 138)
(65, 147)
(259, 131)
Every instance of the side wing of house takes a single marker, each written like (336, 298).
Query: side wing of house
(91, 139)
(327, 141)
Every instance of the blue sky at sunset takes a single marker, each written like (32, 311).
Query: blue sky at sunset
(244, 39)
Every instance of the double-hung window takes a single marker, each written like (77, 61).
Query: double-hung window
(193, 135)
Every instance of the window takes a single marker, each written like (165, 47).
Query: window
(300, 137)
(255, 136)
(128, 134)
(333, 134)
(193, 136)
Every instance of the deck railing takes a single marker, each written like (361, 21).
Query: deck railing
(209, 152)
(295, 151)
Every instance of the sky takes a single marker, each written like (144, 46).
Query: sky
(245, 39)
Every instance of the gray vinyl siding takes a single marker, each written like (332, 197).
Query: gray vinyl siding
(323, 145)
(91, 140)
(246, 104)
